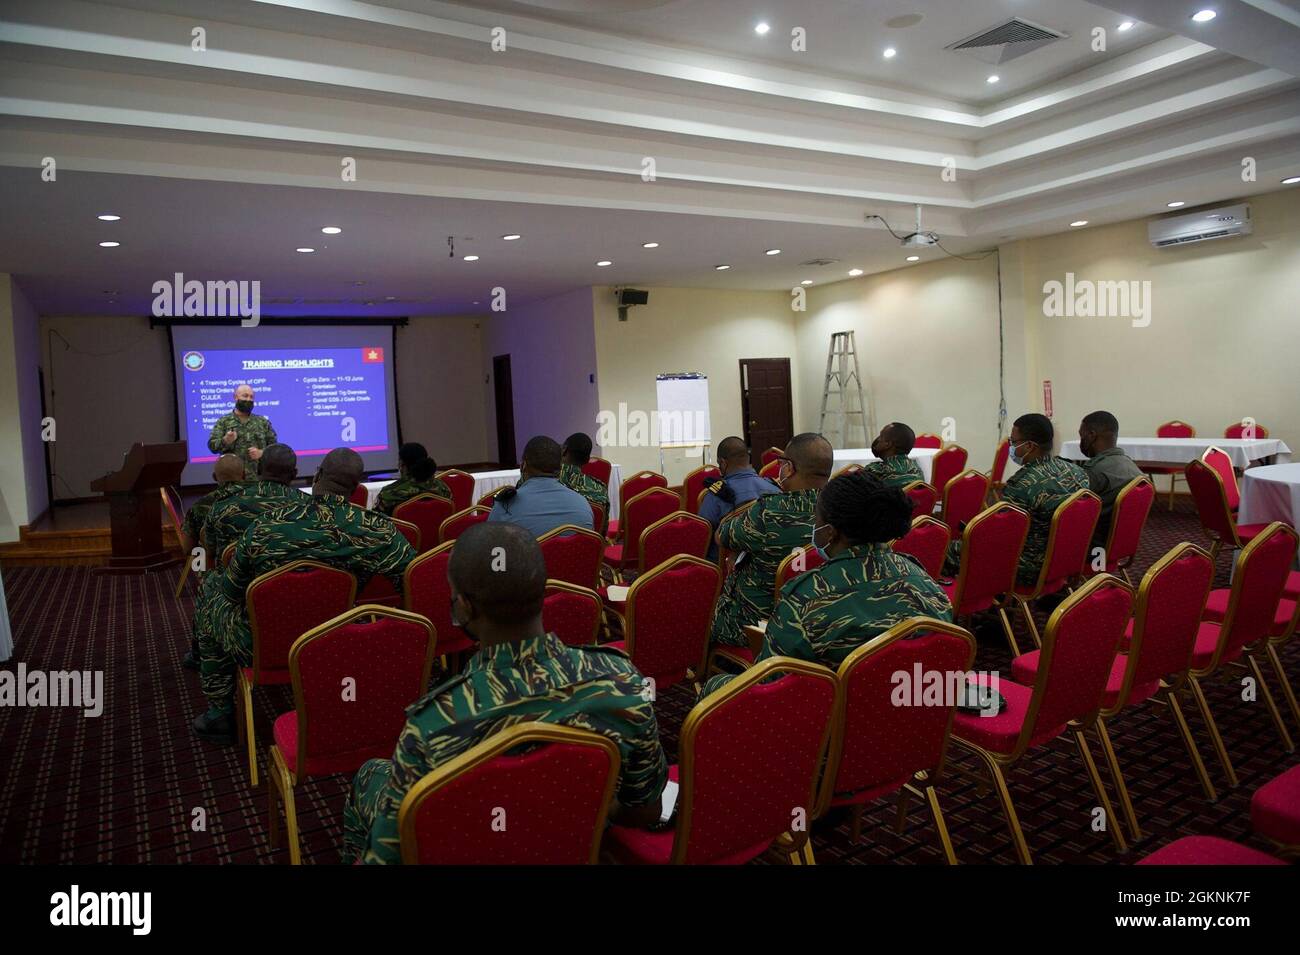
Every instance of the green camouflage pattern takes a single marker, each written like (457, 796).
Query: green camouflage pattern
(827, 613)
(571, 476)
(898, 471)
(192, 525)
(324, 528)
(392, 496)
(255, 431)
(534, 680)
(768, 531)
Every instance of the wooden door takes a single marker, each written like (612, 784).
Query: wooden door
(765, 404)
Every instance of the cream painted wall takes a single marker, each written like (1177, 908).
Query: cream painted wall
(22, 470)
(688, 330)
(440, 390)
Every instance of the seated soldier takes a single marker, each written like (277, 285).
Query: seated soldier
(1041, 485)
(862, 590)
(415, 470)
(230, 517)
(539, 502)
(575, 453)
(766, 533)
(228, 472)
(892, 447)
(739, 485)
(323, 527)
(1108, 467)
(520, 673)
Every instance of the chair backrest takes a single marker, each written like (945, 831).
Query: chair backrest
(425, 591)
(1257, 584)
(1069, 541)
(427, 512)
(771, 470)
(285, 603)
(677, 533)
(600, 469)
(770, 455)
(554, 793)
(360, 496)
(963, 498)
(573, 554)
(693, 486)
(1170, 603)
(927, 440)
(749, 755)
(1078, 650)
(927, 541)
(598, 518)
(1243, 429)
(669, 613)
(639, 513)
(1175, 429)
(797, 562)
(1000, 455)
(636, 484)
(947, 464)
(228, 554)
(382, 657)
(571, 612)
(923, 497)
(1211, 500)
(462, 521)
(1218, 459)
(877, 744)
(410, 532)
(848, 469)
(990, 552)
(171, 500)
(461, 485)
(1128, 516)
(488, 499)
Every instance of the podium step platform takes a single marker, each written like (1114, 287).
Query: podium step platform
(73, 535)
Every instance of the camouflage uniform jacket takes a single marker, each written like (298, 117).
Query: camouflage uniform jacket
(898, 471)
(253, 432)
(571, 476)
(392, 496)
(1040, 487)
(198, 513)
(538, 679)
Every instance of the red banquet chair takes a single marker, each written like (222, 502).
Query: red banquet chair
(379, 590)
(927, 440)
(283, 604)
(947, 464)
(1218, 459)
(385, 657)
(598, 519)
(1070, 681)
(770, 455)
(490, 498)
(1207, 850)
(794, 565)
(1068, 546)
(927, 541)
(1213, 511)
(923, 497)
(1275, 812)
(427, 512)
(750, 754)
(598, 468)
(461, 485)
(553, 783)
(1128, 518)
(1245, 429)
(572, 613)
(878, 748)
(963, 498)
(426, 591)
(1160, 639)
(677, 533)
(669, 613)
(461, 521)
(1170, 429)
(360, 496)
(694, 484)
(634, 486)
(639, 513)
(771, 470)
(1239, 622)
(997, 473)
(573, 554)
(171, 500)
(990, 552)
(849, 468)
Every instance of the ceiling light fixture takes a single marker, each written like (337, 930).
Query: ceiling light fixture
(511, 237)
(304, 250)
(855, 272)
(1176, 204)
(471, 258)
(108, 218)
(649, 245)
(721, 268)
(761, 29)
(806, 282)
(331, 230)
(890, 53)
(772, 252)
(1204, 16)
(1126, 26)
(914, 258)
(1290, 180)
(1078, 222)
(604, 262)
(994, 78)
(109, 245)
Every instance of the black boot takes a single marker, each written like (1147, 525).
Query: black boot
(191, 661)
(216, 726)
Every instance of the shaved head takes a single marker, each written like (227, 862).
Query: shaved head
(811, 454)
(279, 463)
(229, 467)
(733, 450)
(243, 391)
(339, 472)
(499, 570)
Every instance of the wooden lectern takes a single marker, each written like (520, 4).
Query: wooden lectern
(134, 506)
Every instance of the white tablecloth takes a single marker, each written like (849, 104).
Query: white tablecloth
(1270, 493)
(924, 457)
(1183, 450)
(485, 481)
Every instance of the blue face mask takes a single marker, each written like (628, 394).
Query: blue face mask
(1015, 453)
(821, 551)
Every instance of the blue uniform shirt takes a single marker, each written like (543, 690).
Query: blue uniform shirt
(542, 504)
(746, 485)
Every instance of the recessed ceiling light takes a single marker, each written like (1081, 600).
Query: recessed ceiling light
(914, 258)
(511, 237)
(331, 230)
(890, 53)
(806, 282)
(471, 258)
(109, 245)
(108, 218)
(1204, 16)
(1290, 180)
(772, 252)
(994, 78)
(604, 262)
(1078, 222)
(855, 272)
(649, 245)
(1126, 26)
(1177, 203)
(721, 268)
(304, 250)
(761, 29)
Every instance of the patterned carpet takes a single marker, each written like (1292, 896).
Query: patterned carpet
(128, 786)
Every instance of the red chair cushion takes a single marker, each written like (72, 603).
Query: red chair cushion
(1292, 588)
(1024, 669)
(614, 555)
(998, 734)
(1208, 850)
(1207, 638)
(1248, 532)
(612, 530)
(1216, 609)
(269, 677)
(285, 733)
(1275, 808)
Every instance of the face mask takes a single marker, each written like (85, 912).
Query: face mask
(464, 627)
(245, 405)
(821, 551)
(1015, 453)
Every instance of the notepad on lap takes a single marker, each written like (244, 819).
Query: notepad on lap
(616, 593)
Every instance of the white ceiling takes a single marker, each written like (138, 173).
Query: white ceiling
(221, 162)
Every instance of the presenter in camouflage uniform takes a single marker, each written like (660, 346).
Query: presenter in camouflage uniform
(416, 472)
(519, 674)
(243, 433)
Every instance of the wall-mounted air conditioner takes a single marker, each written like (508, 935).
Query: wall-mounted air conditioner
(1221, 223)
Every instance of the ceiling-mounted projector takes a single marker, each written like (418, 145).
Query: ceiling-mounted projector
(920, 240)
